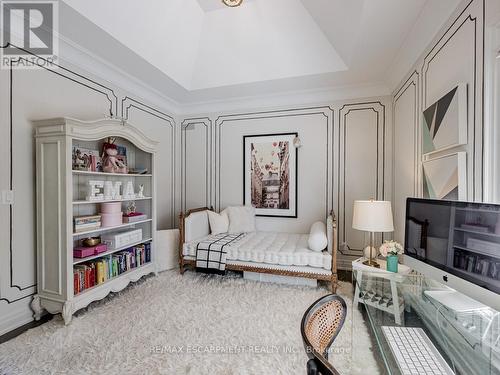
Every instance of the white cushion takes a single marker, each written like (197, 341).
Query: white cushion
(241, 219)
(219, 223)
(317, 240)
(196, 226)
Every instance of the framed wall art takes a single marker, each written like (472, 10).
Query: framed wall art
(270, 174)
(445, 177)
(445, 122)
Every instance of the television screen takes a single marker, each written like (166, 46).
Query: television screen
(460, 238)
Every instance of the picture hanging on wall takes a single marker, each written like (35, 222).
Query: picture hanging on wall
(445, 121)
(270, 174)
(445, 177)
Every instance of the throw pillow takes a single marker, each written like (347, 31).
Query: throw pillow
(318, 240)
(241, 219)
(219, 223)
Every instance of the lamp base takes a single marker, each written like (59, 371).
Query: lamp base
(371, 263)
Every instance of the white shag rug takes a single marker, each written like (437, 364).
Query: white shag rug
(190, 324)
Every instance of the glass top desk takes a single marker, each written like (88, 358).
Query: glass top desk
(466, 333)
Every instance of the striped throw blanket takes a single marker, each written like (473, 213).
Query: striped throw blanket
(211, 253)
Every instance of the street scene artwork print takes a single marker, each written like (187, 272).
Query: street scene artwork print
(270, 174)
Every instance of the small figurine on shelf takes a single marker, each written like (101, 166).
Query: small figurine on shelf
(111, 162)
(131, 208)
(140, 194)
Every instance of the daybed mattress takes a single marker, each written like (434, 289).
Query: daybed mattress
(287, 249)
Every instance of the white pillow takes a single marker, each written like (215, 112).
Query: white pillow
(219, 223)
(317, 237)
(241, 219)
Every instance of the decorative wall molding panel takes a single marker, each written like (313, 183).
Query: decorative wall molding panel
(361, 149)
(332, 155)
(315, 126)
(196, 139)
(146, 118)
(455, 57)
(406, 132)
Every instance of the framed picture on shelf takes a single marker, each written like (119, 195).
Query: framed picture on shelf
(270, 174)
(445, 177)
(445, 122)
(85, 159)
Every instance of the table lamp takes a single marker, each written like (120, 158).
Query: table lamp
(372, 216)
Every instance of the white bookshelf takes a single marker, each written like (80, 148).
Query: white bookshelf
(61, 196)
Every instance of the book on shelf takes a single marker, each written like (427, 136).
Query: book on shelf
(84, 223)
(134, 217)
(100, 270)
(138, 171)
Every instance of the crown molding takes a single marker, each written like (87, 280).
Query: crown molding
(80, 57)
(289, 98)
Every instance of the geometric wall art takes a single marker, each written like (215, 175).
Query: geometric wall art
(445, 121)
(445, 177)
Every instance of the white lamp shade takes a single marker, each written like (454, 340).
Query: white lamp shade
(372, 216)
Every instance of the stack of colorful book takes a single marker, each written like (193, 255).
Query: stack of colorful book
(100, 270)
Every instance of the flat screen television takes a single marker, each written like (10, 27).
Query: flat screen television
(456, 243)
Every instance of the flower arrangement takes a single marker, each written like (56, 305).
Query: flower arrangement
(390, 248)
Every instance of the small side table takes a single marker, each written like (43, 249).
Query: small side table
(392, 304)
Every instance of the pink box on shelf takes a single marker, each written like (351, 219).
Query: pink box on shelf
(112, 219)
(101, 248)
(111, 208)
(83, 251)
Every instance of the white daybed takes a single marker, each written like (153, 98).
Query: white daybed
(285, 254)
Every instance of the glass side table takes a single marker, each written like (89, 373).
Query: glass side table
(467, 334)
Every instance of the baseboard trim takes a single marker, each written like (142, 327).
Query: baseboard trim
(23, 327)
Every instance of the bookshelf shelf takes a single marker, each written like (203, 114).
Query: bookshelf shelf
(64, 142)
(109, 201)
(113, 279)
(83, 260)
(91, 173)
(477, 210)
(478, 232)
(107, 229)
(485, 253)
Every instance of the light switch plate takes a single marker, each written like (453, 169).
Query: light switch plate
(7, 197)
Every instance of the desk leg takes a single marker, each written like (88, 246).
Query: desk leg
(359, 277)
(395, 302)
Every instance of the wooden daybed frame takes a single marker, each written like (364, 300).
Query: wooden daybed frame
(332, 278)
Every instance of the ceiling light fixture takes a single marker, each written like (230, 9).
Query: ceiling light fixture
(232, 3)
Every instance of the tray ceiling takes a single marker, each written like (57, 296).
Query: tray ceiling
(264, 45)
